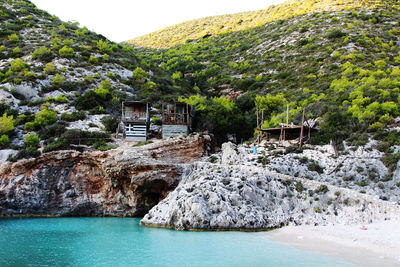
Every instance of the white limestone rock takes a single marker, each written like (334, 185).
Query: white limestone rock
(217, 196)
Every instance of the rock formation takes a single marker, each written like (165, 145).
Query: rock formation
(127, 181)
(224, 197)
(243, 191)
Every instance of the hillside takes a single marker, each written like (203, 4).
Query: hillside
(56, 76)
(205, 27)
(338, 60)
(342, 66)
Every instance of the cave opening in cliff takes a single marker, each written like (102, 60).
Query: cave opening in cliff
(150, 194)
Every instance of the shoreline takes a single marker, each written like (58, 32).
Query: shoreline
(379, 245)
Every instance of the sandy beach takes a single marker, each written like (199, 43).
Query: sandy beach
(378, 245)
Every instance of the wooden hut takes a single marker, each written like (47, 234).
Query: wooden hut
(286, 131)
(135, 118)
(176, 119)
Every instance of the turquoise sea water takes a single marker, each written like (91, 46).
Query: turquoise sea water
(123, 242)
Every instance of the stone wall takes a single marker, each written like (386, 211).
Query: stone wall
(173, 130)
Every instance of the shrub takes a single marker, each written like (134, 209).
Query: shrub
(42, 118)
(31, 141)
(380, 64)
(52, 130)
(59, 144)
(156, 121)
(4, 140)
(322, 189)
(336, 33)
(77, 137)
(18, 65)
(390, 161)
(104, 89)
(299, 187)
(58, 80)
(42, 53)
(74, 116)
(314, 166)
(6, 123)
(68, 42)
(110, 123)
(104, 147)
(13, 38)
(66, 52)
(61, 99)
(142, 143)
(93, 59)
(317, 210)
(25, 154)
(50, 68)
(213, 159)
(104, 46)
(16, 51)
(88, 101)
(303, 160)
(105, 58)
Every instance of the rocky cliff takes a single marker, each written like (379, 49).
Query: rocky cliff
(127, 181)
(232, 195)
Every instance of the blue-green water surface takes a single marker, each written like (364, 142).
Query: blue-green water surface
(123, 242)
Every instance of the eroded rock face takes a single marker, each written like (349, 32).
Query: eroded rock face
(126, 181)
(224, 197)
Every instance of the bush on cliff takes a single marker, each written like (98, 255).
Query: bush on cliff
(110, 123)
(78, 137)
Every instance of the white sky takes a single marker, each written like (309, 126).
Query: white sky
(120, 20)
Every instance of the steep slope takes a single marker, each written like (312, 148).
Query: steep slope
(205, 27)
(54, 73)
(342, 66)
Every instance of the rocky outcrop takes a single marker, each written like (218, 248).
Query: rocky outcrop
(127, 181)
(225, 197)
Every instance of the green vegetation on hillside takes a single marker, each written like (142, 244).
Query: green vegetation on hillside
(342, 66)
(337, 59)
(210, 26)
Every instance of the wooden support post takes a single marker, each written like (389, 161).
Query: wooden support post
(175, 109)
(122, 108)
(302, 128)
(262, 118)
(287, 114)
(334, 148)
(187, 113)
(162, 112)
(257, 118)
(281, 136)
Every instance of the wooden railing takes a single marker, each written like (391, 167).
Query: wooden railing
(134, 116)
(178, 118)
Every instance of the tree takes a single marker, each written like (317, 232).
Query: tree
(269, 102)
(104, 46)
(218, 115)
(139, 75)
(6, 123)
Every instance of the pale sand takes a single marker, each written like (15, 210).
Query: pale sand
(379, 245)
